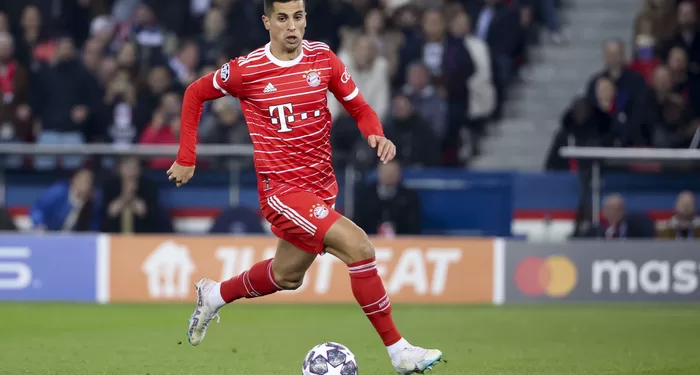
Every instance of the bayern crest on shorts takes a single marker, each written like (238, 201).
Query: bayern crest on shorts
(318, 211)
(313, 78)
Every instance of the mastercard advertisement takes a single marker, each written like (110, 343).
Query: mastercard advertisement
(544, 274)
(589, 271)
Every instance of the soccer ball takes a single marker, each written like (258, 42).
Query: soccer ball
(329, 358)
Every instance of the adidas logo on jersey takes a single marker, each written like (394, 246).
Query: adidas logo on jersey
(269, 88)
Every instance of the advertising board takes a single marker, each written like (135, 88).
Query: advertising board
(48, 268)
(602, 271)
(421, 269)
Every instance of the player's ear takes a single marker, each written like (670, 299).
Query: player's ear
(266, 22)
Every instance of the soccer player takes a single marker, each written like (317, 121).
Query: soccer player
(282, 89)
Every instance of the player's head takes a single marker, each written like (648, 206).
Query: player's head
(286, 22)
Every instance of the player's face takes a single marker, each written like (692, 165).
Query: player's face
(287, 23)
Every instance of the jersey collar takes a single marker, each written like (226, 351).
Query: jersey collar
(283, 63)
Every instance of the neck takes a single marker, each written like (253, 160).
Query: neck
(281, 54)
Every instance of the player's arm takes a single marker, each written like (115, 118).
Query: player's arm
(225, 81)
(346, 92)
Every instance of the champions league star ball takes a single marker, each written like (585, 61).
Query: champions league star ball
(329, 358)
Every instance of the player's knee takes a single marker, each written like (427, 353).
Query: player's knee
(290, 280)
(361, 250)
(291, 283)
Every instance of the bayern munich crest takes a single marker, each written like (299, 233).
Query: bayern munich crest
(318, 211)
(313, 78)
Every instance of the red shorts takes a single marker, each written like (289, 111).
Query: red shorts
(300, 218)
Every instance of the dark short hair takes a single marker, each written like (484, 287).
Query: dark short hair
(270, 5)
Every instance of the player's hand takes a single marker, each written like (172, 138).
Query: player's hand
(386, 150)
(180, 174)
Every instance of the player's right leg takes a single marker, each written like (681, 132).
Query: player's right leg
(350, 244)
(283, 272)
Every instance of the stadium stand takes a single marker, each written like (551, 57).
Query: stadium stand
(459, 84)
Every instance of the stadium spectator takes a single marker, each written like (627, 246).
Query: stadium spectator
(500, 27)
(386, 41)
(212, 42)
(676, 129)
(74, 17)
(406, 20)
(667, 113)
(687, 35)
(661, 14)
(387, 207)
(686, 83)
(107, 69)
(620, 224)
(132, 202)
(63, 98)
(73, 206)
(127, 59)
(482, 93)
(425, 98)
(581, 125)
(117, 117)
(185, 64)
(158, 83)
(35, 45)
(226, 125)
(644, 50)
(92, 54)
(371, 74)
(171, 104)
(162, 130)
(416, 144)
(15, 113)
(102, 30)
(457, 69)
(427, 46)
(685, 223)
(630, 91)
(148, 34)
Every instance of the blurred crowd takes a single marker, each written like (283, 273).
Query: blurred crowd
(620, 223)
(648, 92)
(77, 71)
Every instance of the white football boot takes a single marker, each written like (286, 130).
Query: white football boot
(204, 312)
(415, 360)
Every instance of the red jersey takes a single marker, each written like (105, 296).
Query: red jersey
(285, 106)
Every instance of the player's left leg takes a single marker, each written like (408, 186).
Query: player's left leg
(349, 243)
(283, 272)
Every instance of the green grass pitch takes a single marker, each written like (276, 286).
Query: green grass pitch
(71, 339)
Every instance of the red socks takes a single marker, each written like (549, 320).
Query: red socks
(258, 281)
(368, 289)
